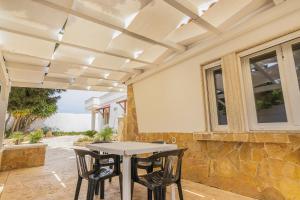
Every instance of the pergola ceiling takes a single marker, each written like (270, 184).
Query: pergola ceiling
(97, 45)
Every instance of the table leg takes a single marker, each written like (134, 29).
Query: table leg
(126, 177)
(173, 192)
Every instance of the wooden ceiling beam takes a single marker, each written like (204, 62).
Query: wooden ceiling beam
(169, 45)
(194, 16)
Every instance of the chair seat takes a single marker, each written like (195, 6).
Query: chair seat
(148, 164)
(153, 180)
(104, 173)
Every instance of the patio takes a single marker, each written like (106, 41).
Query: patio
(57, 180)
(218, 77)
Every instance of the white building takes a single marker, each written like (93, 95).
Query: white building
(107, 110)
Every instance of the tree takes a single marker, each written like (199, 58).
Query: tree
(29, 104)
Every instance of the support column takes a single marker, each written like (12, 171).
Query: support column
(4, 96)
(130, 130)
(233, 93)
(93, 120)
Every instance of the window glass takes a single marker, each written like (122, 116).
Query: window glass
(296, 53)
(220, 98)
(267, 89)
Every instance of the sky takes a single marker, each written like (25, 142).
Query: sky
(72, 101)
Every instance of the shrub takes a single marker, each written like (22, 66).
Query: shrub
(106, 133)
(36, 136)
(85, 139)
(90, 133)
(98, 137)
(61, 133)
(17, 137)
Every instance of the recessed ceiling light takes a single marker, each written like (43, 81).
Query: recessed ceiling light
(137, 53)
(121, 89)
(127, 60)
(106, 75)
(110, 88)
(115, 84)
(88, 87)
(116, 34)
(84, 67)
(90, 60)
(185, 20)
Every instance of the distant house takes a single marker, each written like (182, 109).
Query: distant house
(107, 110)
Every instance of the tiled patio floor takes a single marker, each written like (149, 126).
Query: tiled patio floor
(57, 180)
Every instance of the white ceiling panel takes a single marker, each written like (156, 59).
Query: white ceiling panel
(26, 45)
(108, 61)
(55, 85)
(119, 12)
(26, 76)
(64, 69)
(31, 17)
(88, 34)
(152, 53)
(185, 32)
(74, 55)
(102, 74)
(9, 57)
(223, 10)
(133, 65)
(127, 45)
(156, 20)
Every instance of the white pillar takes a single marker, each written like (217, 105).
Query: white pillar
(93, 122)
(4, 95)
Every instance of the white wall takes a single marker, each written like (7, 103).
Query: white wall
(66, 122)
(170, 101)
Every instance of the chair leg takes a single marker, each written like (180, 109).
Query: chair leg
(132, 188)
(102, 188)
(121, 185)
(79, 181)
(180, 190)
(163, 193)
(156, 194)
(97, 188)
(91, 189)
(149, 194)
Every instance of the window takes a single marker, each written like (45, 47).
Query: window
(216, 97)
(272, 87)
(266, 84)
(296, 55)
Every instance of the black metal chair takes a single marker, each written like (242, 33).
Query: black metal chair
(100, 168)
(148, 166)
(157, 181)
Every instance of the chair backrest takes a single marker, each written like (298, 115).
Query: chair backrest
(85, 161)
(172, 163)
(89, 162)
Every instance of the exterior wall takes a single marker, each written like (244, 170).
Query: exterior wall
(170, 105)
(66, 122)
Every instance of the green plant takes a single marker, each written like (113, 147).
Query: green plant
(97, 137)
(36, 136)
(90, 133)
(85, 139)
(106, 133)
(17, 137)
(61, 133)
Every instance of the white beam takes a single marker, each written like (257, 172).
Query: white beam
(195, 17)
(71, 45)
(25, 66)
(69, 11)
(70, 63)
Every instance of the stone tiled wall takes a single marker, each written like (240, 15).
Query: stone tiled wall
(23, 156)
(265, 167)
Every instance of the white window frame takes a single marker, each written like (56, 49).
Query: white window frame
(289, 84)
(210, 98)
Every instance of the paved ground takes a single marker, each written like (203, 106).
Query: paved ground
(57, 179)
